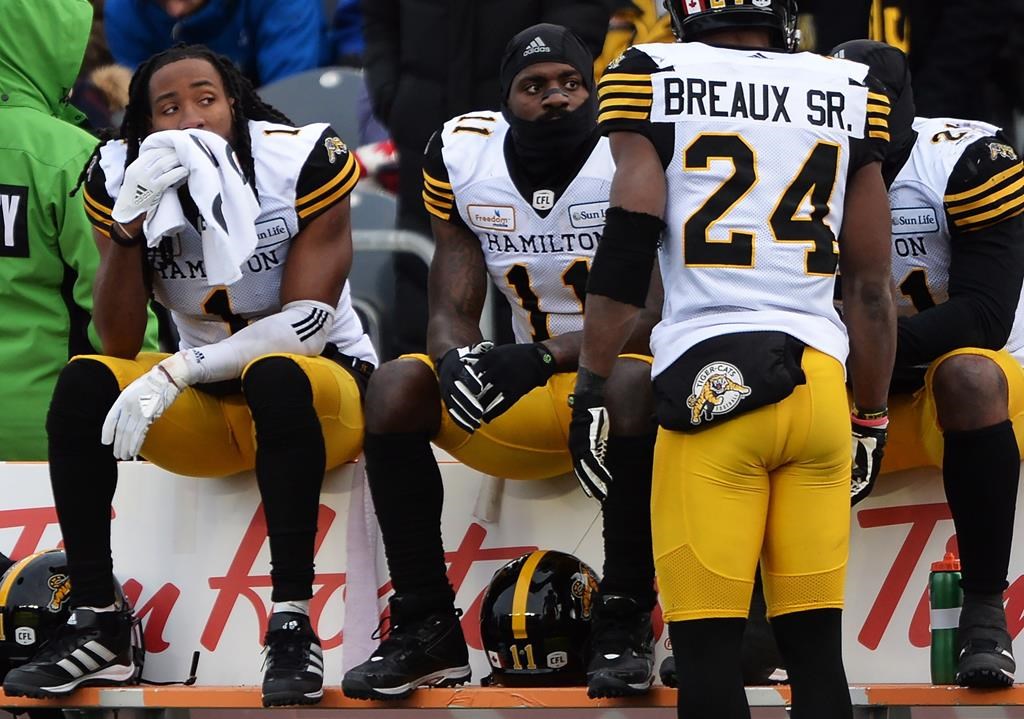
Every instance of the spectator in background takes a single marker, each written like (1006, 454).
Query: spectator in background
(633, 22)
(427, 61)
(964, 56)
(101, 90)
(268, 39)
(47, 255)
(347, 34)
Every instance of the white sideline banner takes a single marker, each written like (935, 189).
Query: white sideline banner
(192, 555)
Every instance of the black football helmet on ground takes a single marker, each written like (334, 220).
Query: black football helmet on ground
(34, 594)
(535, 620)
(691, 19)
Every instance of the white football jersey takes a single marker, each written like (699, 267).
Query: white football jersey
(204, 314)
(757, 147)
(924, 208)
(537, 249)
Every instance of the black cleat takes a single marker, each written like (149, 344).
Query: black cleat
(294, 667)
(621, 649)
(986, 650)
(667, 672)
(417, 651)
(93, 648)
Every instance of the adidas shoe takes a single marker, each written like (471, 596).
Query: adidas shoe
(621, 649)
(294, 667)
(91, 648)
(417, 651)
(986, 650)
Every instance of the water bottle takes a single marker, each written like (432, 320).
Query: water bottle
(945, 599)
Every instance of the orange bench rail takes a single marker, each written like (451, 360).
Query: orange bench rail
(879, 695)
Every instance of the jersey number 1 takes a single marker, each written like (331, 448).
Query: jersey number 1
(518, 278)
(218, 304)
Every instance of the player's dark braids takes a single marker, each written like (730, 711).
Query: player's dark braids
(248, 106)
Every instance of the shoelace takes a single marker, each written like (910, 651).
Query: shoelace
(286, 650)
(400, 635)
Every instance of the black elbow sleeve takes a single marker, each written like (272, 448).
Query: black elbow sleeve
(625, 257)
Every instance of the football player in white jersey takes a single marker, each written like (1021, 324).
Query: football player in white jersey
(957, 401)
(519, 196)
(269, 376)
(763, 164)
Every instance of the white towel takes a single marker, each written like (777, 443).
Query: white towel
(226, 202)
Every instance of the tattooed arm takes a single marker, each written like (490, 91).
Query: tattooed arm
(457, 288)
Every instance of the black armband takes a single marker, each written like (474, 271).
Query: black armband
(625, 257)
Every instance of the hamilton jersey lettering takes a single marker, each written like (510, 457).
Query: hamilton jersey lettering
(757, 148)
(537, 245)
(300, 173)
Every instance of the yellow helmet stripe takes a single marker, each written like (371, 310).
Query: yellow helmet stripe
(522, 593)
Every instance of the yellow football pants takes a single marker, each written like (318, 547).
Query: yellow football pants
(529, 441)
(915, 436)
(201, 435)
(773, 484)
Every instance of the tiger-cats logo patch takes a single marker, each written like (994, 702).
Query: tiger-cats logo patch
(717, 389)
(334, 146)
(60, 590)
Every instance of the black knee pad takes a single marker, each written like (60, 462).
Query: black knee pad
(84, 393)
(279, 396)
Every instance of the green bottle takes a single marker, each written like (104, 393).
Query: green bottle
(945, 598)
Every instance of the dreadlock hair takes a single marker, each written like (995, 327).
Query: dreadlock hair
(248, 106)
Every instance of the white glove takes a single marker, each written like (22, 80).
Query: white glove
(146, 180)
(141, 403)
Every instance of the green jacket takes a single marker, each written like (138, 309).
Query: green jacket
(48, 258)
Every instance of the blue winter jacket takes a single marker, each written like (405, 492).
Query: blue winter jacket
(268, 39)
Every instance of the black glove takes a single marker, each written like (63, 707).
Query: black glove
(508, 372)
(460, 386)
(588, 434)
(868, 449)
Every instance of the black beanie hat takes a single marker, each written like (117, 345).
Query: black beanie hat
(545, 43)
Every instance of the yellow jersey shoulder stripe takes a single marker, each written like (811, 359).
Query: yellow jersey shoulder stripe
(344, 176)
(340, 193)
(986, 185)
(98, 206)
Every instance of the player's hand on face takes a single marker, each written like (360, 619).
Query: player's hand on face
(460, 386)
(145, 181)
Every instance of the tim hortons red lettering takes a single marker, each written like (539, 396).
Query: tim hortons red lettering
(1015, 607)
(240, 583)
(157, 609)
(922, 519)
(33, 521)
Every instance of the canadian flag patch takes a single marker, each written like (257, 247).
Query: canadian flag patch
(692, 7)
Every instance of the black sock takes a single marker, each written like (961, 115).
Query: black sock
(83, 474)
(707, 653)
(628, 556)
(290, 463)
(811, 643)
(408, 494)
(760, 655)
(980, 470)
